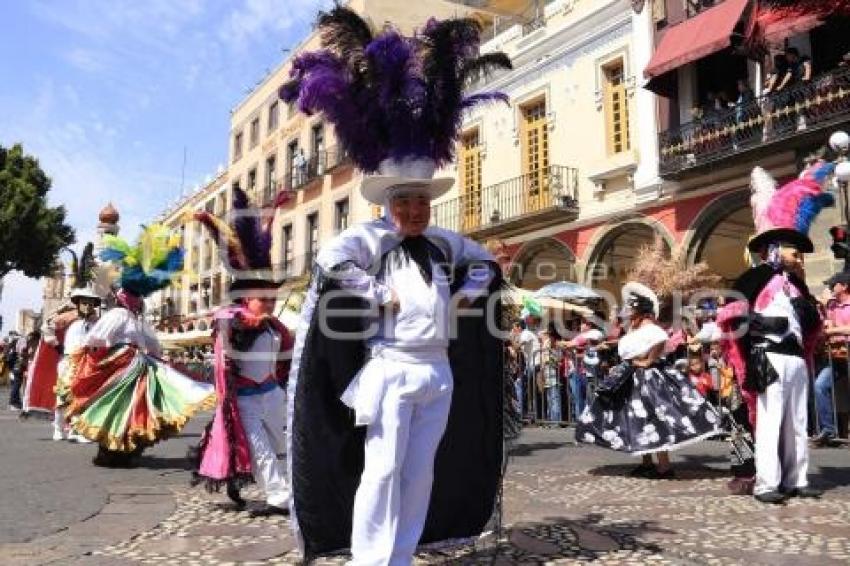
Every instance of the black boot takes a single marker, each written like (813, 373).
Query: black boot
(234, 495)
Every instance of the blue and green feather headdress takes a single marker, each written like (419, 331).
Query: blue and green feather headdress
(152, 264)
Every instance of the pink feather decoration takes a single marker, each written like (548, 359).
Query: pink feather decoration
(763, 188)
(786, 202)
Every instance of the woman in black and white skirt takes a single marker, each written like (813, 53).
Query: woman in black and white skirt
(646, 406)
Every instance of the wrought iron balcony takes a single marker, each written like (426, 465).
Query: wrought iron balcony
(544, 197)
(795, 113)
(314, 167)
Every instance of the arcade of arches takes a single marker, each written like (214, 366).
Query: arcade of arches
(543, 262)
(615, 255)
(717, 237)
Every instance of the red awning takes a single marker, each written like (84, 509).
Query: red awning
(693, 39)
(774, 27)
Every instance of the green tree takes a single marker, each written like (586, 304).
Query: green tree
(31, 232)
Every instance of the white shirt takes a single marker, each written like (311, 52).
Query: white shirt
(530, 345)
(75, 336)
(422, 320)
(780, 306)
(120, 326)
(261, 361)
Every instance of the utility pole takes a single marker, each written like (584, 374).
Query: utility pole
(183, 174)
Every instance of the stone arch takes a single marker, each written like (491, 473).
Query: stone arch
(614, 247)
(542, 261)
(718, 235)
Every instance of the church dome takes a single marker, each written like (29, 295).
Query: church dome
(109, 215)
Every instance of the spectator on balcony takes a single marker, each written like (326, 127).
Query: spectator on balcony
(776, 79)
(299, 168)
(799, 66)
(799, 72)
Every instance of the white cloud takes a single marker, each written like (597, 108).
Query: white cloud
(87, 60)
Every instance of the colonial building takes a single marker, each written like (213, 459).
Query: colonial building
(717, 118)
(188, 304)
(608, 144)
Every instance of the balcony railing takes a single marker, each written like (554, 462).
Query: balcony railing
(792, 112)
(552, 189)
(315, 166)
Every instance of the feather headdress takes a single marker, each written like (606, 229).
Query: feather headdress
(391, 97)
(245, 241)
(83, 274)
(787, 214)
(151, 264)
(82, 266)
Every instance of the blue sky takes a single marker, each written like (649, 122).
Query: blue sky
(106, 93)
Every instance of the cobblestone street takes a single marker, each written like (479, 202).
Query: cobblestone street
(563, 504)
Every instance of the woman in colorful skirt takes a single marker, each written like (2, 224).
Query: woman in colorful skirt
(645, 406)
(121, 394)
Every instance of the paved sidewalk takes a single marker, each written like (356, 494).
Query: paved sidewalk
(563, 504)
(566, 504)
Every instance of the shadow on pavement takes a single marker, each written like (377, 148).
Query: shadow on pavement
(152, 462)
(687, 471)
(583, 538)
(829, 477)
(521, 450)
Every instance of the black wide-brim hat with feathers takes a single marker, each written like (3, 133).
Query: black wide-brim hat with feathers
(787, 236)
(246, 241)
(82, 273)
(396, 102)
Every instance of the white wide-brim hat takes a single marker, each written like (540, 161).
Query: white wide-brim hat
(409, 172)
(84, 293)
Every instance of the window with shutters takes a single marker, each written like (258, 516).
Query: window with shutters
(274, 117)
(341, 219)
(470, 177)
(287, 250)
(616, 108)
(255, 132)
(312, 240)
(534, 133)
(270, 184)
(237, 147)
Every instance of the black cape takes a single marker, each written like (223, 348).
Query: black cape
(327, 449)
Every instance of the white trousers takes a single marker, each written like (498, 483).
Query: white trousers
(782, 449)
(264, 419)
(392, 499)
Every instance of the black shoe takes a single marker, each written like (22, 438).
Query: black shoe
(235, 496)
(773, 497)
(823, 439)
(642, 471)
(805, 492)
(270, 511)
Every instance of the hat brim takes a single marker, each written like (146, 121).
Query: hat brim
(82, 294)
(253, 284)
(374, 189)
(782, 235)
(842, 277)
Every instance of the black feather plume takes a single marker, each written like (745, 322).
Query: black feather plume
(482, 66)
(344, 31)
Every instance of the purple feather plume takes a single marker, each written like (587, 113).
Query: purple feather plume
(248, 226)
(399, 96)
